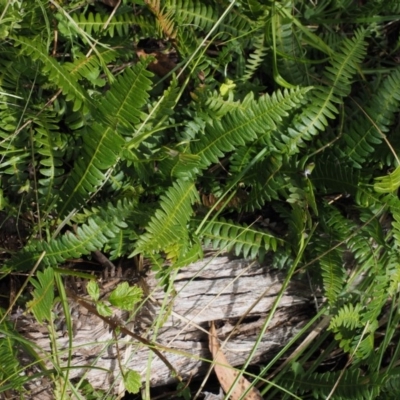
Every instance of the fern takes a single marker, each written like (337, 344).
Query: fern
(57, 73)
(348, 317)
(196, 14)
(366, 130)
(90, 236)
(219, 105)
(50, 145)
(96, 23)
(167, 228)
(243, 240)
(83, 121)
(164, 17)
(10, 366)
(90, 67)
(14, 159)
(292, 64)
(266, 182)
(333, 274)
(238, 128)
(349, 385)
(123, 103)
(256, 58)
(164, 107)
(323, 99)
(102, 144)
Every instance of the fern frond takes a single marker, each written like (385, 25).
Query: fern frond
(14, 157)
(102, 144)
(219, 105)
(50, 145)
(333, 175)
(349, 384)
(165, 106)
(332, 272)
(196, 14)
(395, 211)
(322, 106)
(203, 17)
(365, 132)
(90, 67)
(256, 58)
(10, 364)
(377, 295)
(167, 227)
(349, 317)
(238, 128)
(99, 229)
(96, 23)
(100, 152)
(243, 240)
(242, 157)
(388, 183)
(391, 387)
(122, 104)
(266, 182)
(180, 164)
(290, 52)
(56, 72)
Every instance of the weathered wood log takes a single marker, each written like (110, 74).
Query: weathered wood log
(215, 289)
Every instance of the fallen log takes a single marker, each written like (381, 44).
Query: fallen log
(237, 294)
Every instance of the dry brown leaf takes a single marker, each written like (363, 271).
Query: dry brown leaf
(227, 375)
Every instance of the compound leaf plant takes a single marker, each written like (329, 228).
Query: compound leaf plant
(161, 127)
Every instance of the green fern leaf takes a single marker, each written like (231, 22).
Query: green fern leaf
(10, 361)
(322, 106)
(102, 144)
(93, 235)
(43, 295)
(167, 227)
(196, 14)
(348, 317)
(202, 17)
(289, 46)
(333, 275)
(50, 145)
(332, 175)
(96, 23)
(164, 108)
(348, 384)
(238, 128)
(256, 58)
(244, 240)
(179, 164)
(100, 152)
(366, 131)
(388, 183)
(56, 72)
(219, 105)
(266, 182)
(122, 104)
(14, 157)
(90, 67)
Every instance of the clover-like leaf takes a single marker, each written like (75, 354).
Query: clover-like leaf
(103, 309)
(93, 290)
(132, 381)
(125, 296)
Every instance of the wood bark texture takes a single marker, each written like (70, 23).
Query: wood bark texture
(215, 289)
